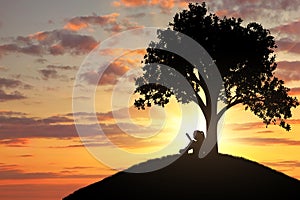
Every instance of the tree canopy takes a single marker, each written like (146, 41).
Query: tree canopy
(244, 55)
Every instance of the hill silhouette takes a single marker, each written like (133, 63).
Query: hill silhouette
(224, 176)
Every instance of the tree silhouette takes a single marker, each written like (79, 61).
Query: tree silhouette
(244, 56)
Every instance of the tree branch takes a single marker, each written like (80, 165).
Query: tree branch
(219, 115)
(206, 91)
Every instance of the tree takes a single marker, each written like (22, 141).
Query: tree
(245, 59)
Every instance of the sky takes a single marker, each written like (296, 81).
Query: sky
(45, 47)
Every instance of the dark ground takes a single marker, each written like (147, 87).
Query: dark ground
(224, 177)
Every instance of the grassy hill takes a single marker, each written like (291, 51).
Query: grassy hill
(223, 177)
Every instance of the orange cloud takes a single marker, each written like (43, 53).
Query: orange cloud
(268, 141)
(82, 22)
(168, 4)
(165, 5)
(75, 26)
(131, 3)
(110, 75)
(40, 36)
(295, 91)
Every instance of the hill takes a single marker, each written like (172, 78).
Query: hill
(223, 177)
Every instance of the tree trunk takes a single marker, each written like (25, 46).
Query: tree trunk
(214, 152)
(209, 147)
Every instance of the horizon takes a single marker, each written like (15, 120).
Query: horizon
(44, 45)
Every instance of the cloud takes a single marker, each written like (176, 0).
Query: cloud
(78, 167)
(253, 9)
(11, 130)
(83, 22)
(285, 163)
(16, 174)
(52, 71)
(16, 95)
(62, 67)
(9, 83)
(268, 13)
(292, 28)
(246, 126)
(289, 45)
(256, 125)
(41, 60)
(25, 156)
(264, 132)
(12, 113)
(14, 142)
(48, 73)
(164, 5)
(131, 3)
(56, 42)
(137, 15)
(17, 131)
(3, 68)
(108, 22)
(295, 91)
(12, 83)
(57, 120)
(268, 141)
(19, 127)
(109, 76)
(288, 70)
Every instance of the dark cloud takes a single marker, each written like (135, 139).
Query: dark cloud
(17, 131)
(14, 142)
(16, 95)
(62, 67)
(292, 28)
(26, 156)
(12, 83)
(78, 167)
(12, 113)
(288, 70)
(56, 42)
(48, 73)
(289, 45)
(36, 130)
(50, 21)
(15, 174)
(254, 9)
(137, 15)
(91, 77)
(16, 127)
(9, 83)
(54, 71)
(41, 60)
(57, 119)
(109, 76)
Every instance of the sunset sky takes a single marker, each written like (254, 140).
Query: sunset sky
(43, 46)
